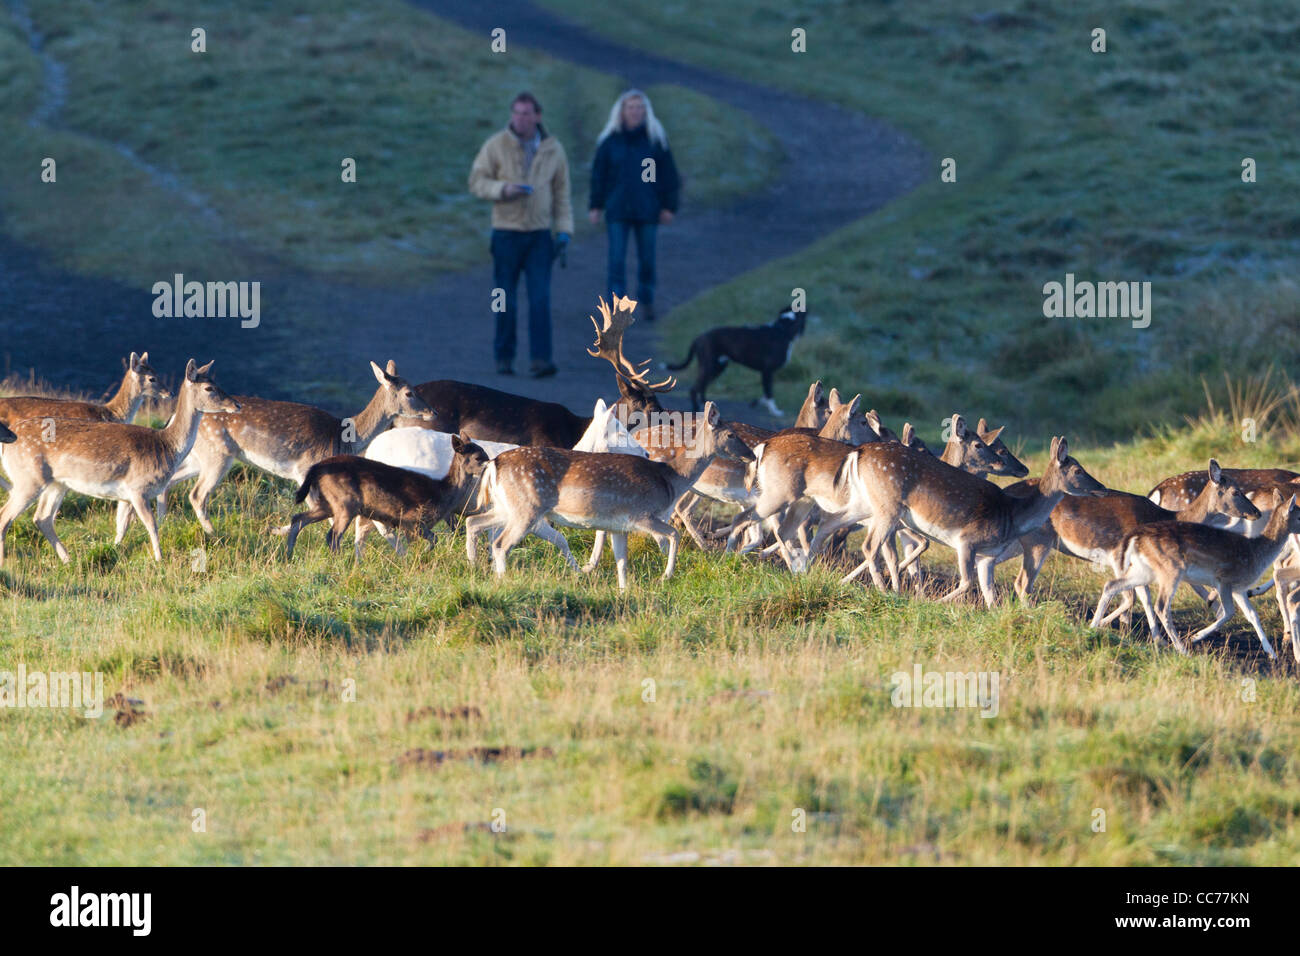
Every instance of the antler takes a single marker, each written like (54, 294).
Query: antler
(609, 345)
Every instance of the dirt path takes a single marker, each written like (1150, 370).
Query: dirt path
(839, 166)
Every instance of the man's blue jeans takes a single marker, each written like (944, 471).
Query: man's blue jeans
(514, 252)
(645, 254)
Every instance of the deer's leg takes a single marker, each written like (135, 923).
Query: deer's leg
(1164, 610)
(301, 520)
(122, 521)
(341, 517)
(984, 565)
(212, 470)
(794, 525)
(596, 548)
(966, 570)
(618, 544)
(359, 545)
(1139, 575)
(1034, 549)
(47, 506)
(661, 530)
(914, 545)
(21, 495)
(1252, 615)
(879, 533)
(476, 525)
(682, 511)
(546, 531)
(143, 512)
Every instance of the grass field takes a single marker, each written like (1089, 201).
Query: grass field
(771, 694)
(1117, 166)
(165, 162)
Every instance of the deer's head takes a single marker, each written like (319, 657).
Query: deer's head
(469, 462)
(634, 385)
(396, 397)
(1065, 475)
(144, 380)
(966, 450)
(816, 407)
(716, 438)
(848, 423)
(1012, 466)
(203, 392)
(1226, 497)
(912, 440)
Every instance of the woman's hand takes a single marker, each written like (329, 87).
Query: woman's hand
(593, 216)
(665, 217)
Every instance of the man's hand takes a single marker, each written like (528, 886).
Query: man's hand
(665, 217)
(593, 216)
(514, 190)
(561, 249)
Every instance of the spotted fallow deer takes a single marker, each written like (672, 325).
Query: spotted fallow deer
(1168, 552)
(127, 463)
(1178, 491)
(285, 439)
(139, 382)
(1094, 528)
(529, 487)
(976, 518)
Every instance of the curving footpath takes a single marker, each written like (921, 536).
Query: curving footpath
(838, 167)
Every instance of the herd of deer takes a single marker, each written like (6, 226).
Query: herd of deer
(416, 456)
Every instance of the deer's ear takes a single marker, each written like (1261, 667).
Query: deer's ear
(206, 369)
(958, 426)
(815, 392)
(908, 433)
(190, 369)
(380, 377)
(833, 401)
(144, 358)
(982, 427)
(711, 414)
(989, 437)
(1216, 473)
(457, 443)
(391, 367)
(134, 362)
(1291, 506)
(1062, 449)
(600, 408)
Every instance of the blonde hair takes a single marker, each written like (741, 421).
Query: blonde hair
(654, 129)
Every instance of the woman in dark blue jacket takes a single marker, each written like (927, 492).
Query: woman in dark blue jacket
(635, 182)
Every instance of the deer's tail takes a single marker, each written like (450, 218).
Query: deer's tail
(308, 484)
(690, 354)
(487, 486)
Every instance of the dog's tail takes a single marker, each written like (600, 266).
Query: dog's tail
(690, 354)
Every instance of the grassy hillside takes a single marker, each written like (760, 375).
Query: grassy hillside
(213, 163)
(1121, 166)
(771, 694)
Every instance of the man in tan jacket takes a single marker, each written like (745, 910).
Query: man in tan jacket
(523, 171)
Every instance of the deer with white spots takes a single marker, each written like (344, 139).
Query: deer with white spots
(126, 463)
(139, 382)
(1168, 552)
(904, 488)
(529, 487)
(285, 439)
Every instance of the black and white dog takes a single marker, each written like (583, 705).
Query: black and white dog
(764, 348)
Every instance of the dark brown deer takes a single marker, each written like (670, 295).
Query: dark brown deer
(345, 487)
(478, 412)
